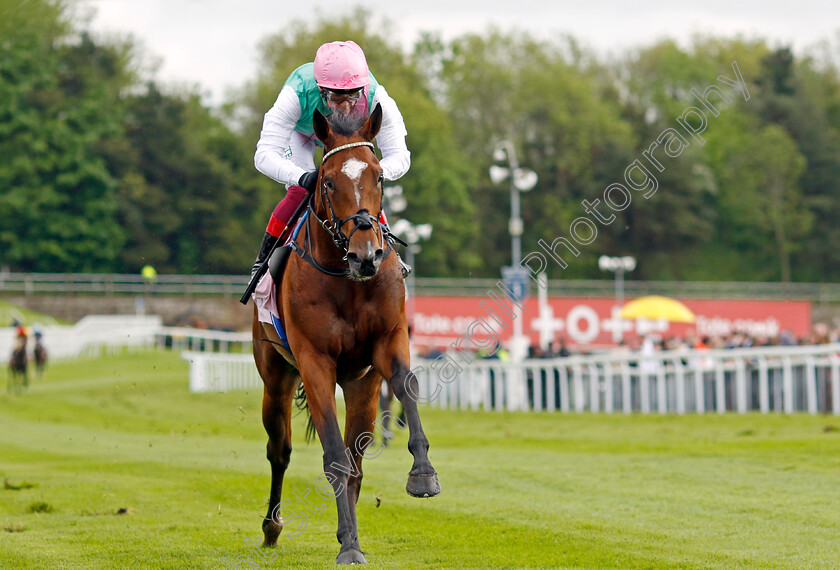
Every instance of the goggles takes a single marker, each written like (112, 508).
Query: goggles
(339, 96)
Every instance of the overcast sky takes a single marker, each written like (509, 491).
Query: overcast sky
(213, 43)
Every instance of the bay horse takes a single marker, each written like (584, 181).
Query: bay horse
(40, 355)
(341, 302)
(18, 369)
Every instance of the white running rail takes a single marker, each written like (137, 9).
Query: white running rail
(90, 336)
(221, 372)
(775, 379)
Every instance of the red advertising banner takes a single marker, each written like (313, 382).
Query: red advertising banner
(439, 321)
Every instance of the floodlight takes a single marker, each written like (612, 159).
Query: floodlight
(498, 173)
(524, 179)
(424, 231)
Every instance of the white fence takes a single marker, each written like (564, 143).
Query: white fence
(218, 372)
(90, 336)
(111, 333)
(186, 338)
(783, 379)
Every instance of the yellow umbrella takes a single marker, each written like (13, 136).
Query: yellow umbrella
(655, 307)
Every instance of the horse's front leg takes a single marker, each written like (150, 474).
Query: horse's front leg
(392, 360)
(319, 375)
(361, 398)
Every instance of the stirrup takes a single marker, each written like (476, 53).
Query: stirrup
(405, 268)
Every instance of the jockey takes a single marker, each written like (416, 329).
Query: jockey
(338, 81)
(20, 330)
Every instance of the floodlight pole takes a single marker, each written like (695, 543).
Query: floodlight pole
(519, 342)
(618, 265)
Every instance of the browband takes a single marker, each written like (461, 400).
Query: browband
(346, 146)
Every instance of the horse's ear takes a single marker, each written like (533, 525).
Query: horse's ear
(321, 126)
(373, 124)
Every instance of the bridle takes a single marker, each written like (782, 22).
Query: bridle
(333, 226)
(363, 219)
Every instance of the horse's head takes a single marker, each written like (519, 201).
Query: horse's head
(349, 194)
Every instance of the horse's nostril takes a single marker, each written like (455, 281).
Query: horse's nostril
(378, 255)
(352, 257)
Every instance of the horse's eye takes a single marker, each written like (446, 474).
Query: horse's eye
(328, 184)
(381, 178)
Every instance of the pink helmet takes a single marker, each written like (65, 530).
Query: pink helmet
(341, 65)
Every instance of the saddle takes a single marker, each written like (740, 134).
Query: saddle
(276, 266)
(277, 262)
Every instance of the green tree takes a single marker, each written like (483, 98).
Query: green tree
(761, 200)
(679, 233)
(57, 107)
(182, 198)
(803, 100)
(546, 99)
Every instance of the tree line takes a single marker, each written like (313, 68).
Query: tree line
(105, 169)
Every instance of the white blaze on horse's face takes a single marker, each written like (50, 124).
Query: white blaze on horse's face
(353, 169)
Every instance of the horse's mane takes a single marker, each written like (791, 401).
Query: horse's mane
(346, 125)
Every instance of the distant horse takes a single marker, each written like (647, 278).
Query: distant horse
(18, 374)
(40, 354)
(341, 302)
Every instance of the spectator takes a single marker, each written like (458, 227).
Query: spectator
(562, 349)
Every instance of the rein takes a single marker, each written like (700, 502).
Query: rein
(362, 220)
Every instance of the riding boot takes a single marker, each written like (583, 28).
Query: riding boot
(267, 243)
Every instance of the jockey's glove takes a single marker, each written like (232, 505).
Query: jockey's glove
(308, 180)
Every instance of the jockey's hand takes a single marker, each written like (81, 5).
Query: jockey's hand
(308, 180)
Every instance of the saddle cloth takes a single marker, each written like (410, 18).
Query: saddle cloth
(265, 297)
(265, 294)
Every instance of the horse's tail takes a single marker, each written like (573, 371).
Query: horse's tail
(303, 405)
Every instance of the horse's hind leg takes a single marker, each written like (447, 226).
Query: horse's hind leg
(280, 380)
(385, 406)
(277, 414)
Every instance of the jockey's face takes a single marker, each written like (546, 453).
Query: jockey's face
(342, 101)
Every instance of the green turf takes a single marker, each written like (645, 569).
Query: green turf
(519, 490)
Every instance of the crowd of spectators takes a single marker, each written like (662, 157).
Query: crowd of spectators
(820, 333)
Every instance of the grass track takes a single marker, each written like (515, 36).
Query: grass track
(535, 490)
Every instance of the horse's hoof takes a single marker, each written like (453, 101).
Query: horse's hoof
(271, 531)
(351, 556)
(423, 485)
